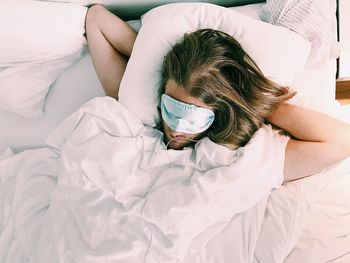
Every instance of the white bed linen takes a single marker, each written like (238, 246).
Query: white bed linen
(38, 41)
(76, 86)
(319, 226)
(325, 223)
(108, 189)
(122, 196)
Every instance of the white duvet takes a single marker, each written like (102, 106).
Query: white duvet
(108, 190)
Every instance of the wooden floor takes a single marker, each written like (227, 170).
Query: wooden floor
(343, 91)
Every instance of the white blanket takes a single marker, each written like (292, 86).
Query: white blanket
(108, 190)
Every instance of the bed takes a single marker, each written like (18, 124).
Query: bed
(46, 217)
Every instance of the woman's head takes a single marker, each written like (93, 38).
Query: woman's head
(209, 69)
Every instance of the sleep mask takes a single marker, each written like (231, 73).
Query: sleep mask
(183, 117)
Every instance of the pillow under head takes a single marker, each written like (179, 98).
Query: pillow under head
(280, 53)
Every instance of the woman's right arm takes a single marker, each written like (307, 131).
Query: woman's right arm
(318, 140)
(110, 41)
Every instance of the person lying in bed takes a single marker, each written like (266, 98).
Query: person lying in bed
(211, 87)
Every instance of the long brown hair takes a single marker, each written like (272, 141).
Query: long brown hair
(212, 66)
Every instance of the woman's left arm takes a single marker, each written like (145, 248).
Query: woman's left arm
(318, 140)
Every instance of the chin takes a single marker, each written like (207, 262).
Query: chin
(180, 141)
(177, 146)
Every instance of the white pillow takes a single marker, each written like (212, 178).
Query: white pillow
(279, 52)
(315, 20)
(38, 41)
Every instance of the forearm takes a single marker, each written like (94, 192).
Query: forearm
(308, 125)
(318, 140)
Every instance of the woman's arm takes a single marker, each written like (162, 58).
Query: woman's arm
(318, 140)
(110, 41)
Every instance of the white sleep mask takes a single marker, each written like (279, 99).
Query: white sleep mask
(183, 117)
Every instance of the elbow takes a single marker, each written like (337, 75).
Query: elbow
(347, 148)
(342, 142)
(346, 141)
(342, 149)
(93, 14)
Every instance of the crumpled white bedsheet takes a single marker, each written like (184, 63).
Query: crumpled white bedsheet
(107, 190)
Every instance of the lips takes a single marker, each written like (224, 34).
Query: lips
(177, 138)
